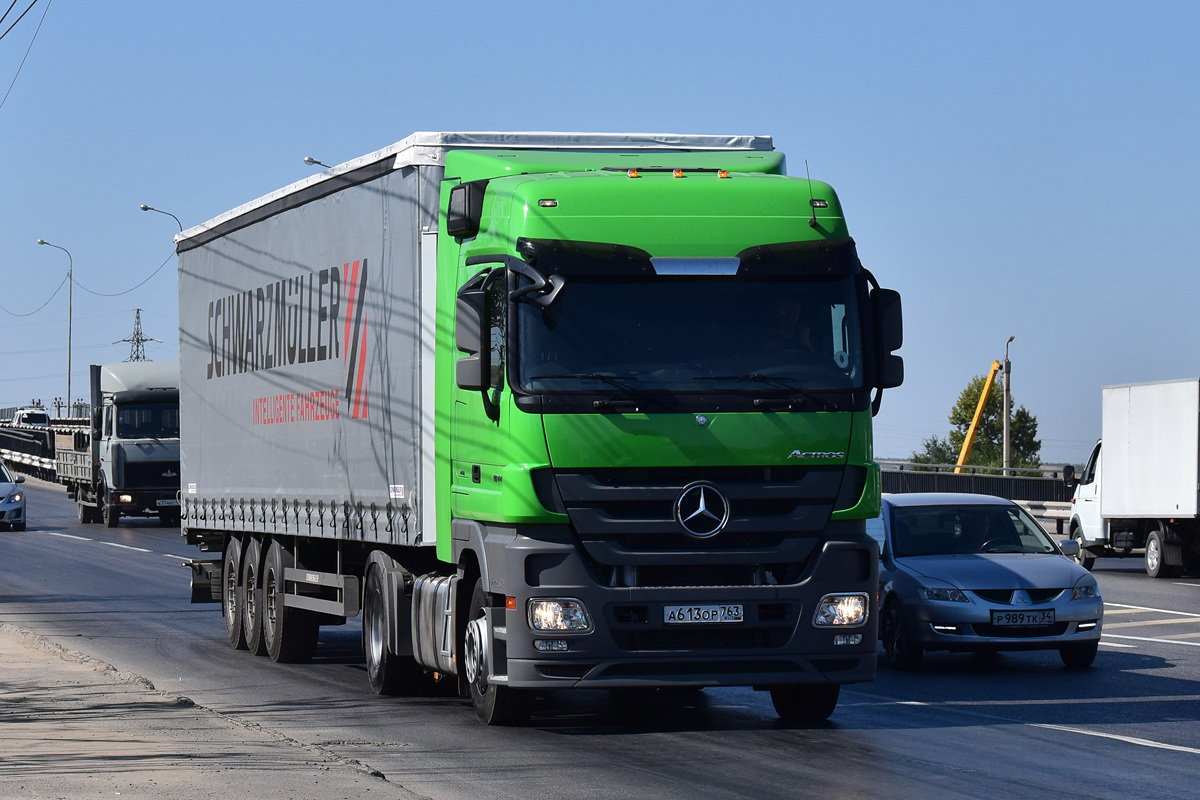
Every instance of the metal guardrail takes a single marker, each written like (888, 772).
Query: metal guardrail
(1037, 485)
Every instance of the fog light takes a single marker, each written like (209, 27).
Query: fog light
(841, 609)
(848, 638)
(550, 645)
(124, 498)
(945, 628)
(1085, 626)
(558, 614)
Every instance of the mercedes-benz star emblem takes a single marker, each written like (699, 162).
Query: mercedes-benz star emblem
(702, 510)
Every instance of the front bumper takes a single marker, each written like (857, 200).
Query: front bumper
(12, 513)
(631, 644)
(145, 502)
(966, 627)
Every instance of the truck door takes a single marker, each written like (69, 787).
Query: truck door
(1087, 501)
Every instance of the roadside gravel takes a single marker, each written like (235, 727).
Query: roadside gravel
(74, 727)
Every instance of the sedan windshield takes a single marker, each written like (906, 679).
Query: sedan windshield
(967, 529)
(5, 475)
(693, 335)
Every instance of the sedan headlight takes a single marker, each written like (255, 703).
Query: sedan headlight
(841, 610)
(1085, 589)
(15, 497)
(558, 614)
(945, 594)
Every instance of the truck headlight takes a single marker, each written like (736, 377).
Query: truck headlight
(841, 609)
(558, 614)
(1085, 589)
(946, 594)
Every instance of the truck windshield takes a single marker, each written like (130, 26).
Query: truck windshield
(148, 421)
(693, 334)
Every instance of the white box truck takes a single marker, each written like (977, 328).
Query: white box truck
(1139, 490)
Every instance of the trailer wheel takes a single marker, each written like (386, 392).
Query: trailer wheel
(252, 597)
(289, 634)
(1085, 558)
(388, 673)
(1156, 565)
(494, 705)
(85, 513)
(231, 593)
(811, 703)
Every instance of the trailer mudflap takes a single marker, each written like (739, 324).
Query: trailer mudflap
(206, 579)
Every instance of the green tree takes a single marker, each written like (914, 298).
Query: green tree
(988, 450)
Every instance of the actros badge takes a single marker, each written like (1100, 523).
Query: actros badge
(702, 510)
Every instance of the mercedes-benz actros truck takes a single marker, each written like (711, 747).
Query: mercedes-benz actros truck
(552, 410)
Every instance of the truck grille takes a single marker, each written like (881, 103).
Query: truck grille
(625, 517)
(151, 475)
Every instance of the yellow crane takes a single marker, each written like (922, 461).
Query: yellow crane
(969, 440)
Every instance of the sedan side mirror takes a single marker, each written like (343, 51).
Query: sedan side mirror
(20, 479)
(1069, 547)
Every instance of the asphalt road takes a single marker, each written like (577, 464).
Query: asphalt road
(1010, 725)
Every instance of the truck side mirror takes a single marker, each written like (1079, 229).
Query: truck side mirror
(1069, 477)
(464, 213)
(468, 334)
(889, 333)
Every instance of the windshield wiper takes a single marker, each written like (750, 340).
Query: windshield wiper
(770, 404)
(782, 380)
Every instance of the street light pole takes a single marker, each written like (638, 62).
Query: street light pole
(1007, 404)
(168, 213)
(70, 294)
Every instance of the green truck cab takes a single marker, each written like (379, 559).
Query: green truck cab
(643, 426)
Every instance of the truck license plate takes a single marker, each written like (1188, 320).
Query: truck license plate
(698, 614)
(1023, 619)
(161, 503)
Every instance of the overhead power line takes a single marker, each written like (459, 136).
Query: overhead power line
(43, 305)
(28, 49)
(10, 8)
(18, 19)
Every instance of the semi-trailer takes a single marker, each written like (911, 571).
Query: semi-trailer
(553, 410)
(126, 461)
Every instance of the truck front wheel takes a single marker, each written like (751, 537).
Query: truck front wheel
(811, 703)
(494, 705)
(1085, 558)
(110, 515)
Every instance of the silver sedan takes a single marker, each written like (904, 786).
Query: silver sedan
(12, 500)
(965, 572)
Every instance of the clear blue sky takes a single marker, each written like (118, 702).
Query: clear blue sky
(1024, 168)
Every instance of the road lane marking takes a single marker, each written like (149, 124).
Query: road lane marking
(1116, 644)
(68, 536)
(1108, 613)
(177, 558)
(1148, 639)
(1176, 621)
(1118, 737)
(127, 547)
(1181, 636)
(1193, 585)
(1158, 610)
